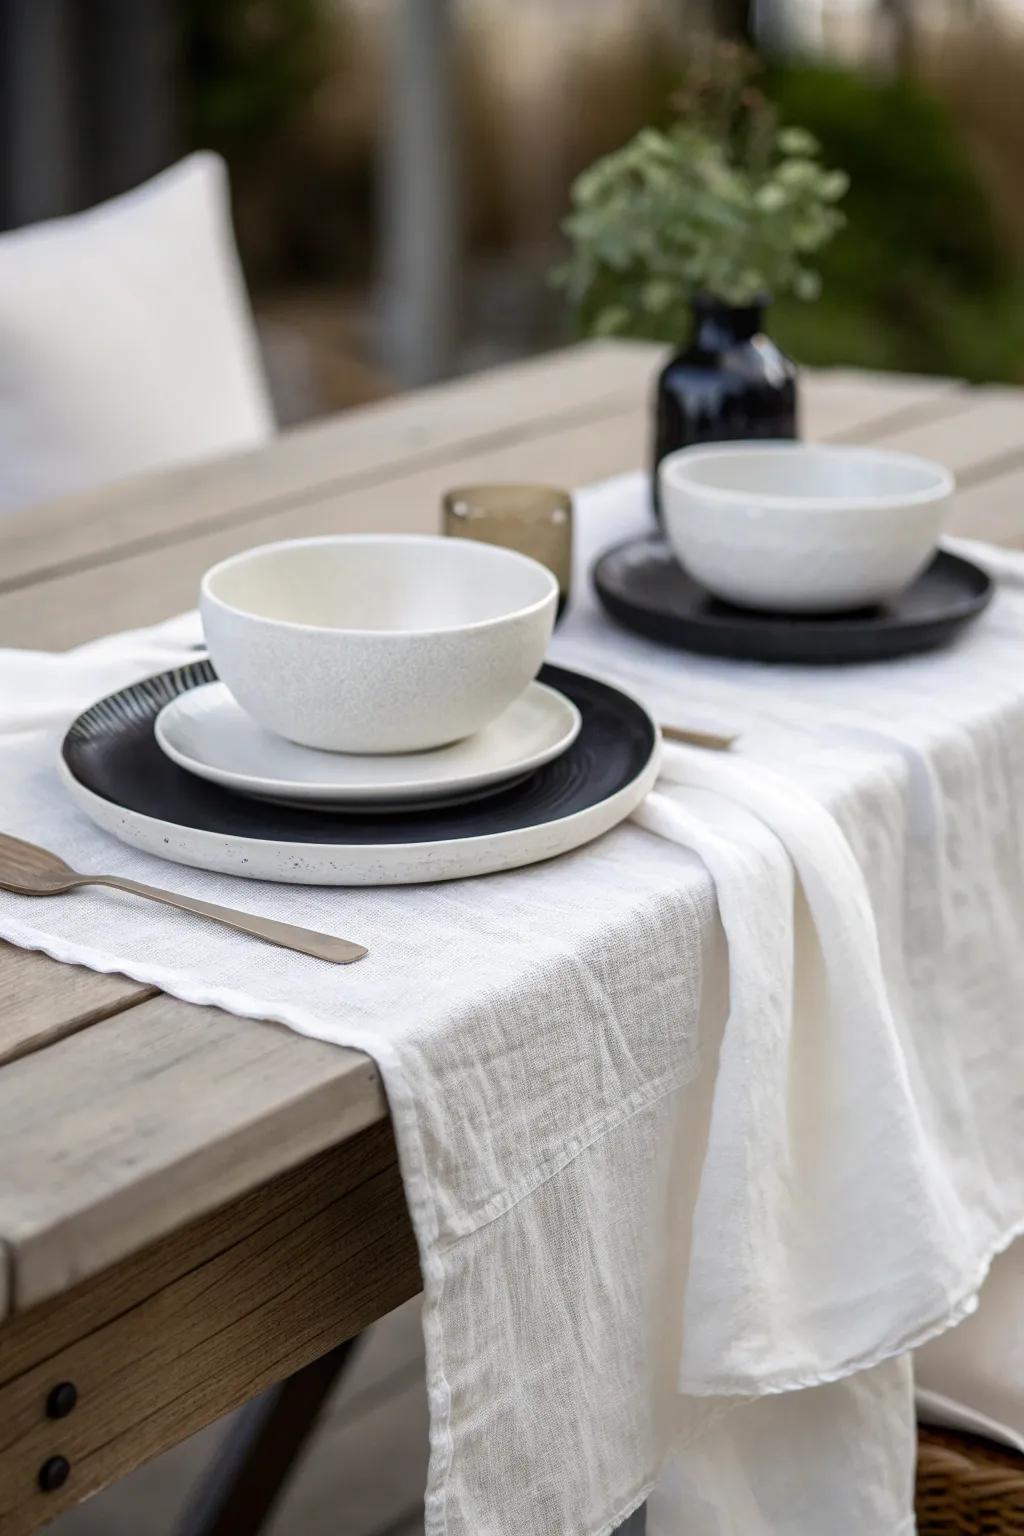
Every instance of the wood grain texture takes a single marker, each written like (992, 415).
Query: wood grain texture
(979, 434)
(992, 507)
(842, 402)
(138, 589)
(505, 406)
(142, 588)
(333, 1250)
(968, 430)
(70, 598)
(41, 1332)
(45, 1331)
(42, 1000)
(370, 1448)
(325, 458)
(372, 1466)
(117, 1135)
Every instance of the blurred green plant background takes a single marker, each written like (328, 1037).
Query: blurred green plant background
(921, 279)
(927, 276)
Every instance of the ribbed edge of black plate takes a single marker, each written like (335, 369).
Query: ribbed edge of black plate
(644, 588)
(112, 751)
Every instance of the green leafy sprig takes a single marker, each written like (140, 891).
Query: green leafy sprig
(679, 212)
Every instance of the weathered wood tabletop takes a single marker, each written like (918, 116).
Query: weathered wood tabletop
(193, 1205)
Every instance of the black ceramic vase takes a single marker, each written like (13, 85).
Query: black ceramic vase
(731, 382)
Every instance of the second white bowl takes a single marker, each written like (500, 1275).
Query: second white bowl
(377, 642)
(797, 528)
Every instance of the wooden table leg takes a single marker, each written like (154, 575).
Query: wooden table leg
(238, 1491)
(199, 1323)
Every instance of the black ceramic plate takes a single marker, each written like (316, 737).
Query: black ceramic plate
(116, 770)
(643, 586)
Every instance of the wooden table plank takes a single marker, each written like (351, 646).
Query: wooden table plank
(979, 434)
(326, 458)
(469, 415)
(141, 589)
(138, 589)
(141, 1122)
(974, 432)
(371, 1441)
(188, 1329)
(841, 402)
(993, 509)
(31, 984)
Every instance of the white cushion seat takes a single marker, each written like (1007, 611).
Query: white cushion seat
(126, 339)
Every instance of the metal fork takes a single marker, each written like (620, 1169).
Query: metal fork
(29, 870)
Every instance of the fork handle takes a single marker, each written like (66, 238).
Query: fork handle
(714, 741)
(306, 941)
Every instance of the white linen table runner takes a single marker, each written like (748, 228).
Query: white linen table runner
(729, 1103)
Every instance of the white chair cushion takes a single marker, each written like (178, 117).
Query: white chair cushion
(126, 339)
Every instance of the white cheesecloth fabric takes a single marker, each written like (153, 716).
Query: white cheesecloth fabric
(729, 1103)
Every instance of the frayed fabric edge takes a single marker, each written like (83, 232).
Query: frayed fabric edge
(955, 1312)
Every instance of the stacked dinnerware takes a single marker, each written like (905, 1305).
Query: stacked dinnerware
(796, 552)
(375, 711)
(379, 671)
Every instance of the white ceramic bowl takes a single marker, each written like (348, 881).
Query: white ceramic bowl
(802, 529)
(378, 642)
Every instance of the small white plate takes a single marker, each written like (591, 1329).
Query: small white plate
(206, 732)
(116, 773)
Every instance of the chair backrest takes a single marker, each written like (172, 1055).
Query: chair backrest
(126, 339)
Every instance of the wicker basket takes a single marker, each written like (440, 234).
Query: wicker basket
(967, 1486)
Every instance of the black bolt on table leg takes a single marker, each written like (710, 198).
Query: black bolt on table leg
(53, 1473)
(61, 1399)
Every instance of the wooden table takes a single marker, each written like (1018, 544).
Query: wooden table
(194, 1206)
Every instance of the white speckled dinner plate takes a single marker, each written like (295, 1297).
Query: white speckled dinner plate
(115, 772)
(208, 733)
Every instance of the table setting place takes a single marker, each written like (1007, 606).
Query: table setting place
(672, 874)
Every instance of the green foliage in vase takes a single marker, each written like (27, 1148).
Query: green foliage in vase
(721, 201)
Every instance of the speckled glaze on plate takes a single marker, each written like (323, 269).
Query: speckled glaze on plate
(208, 733)
(114, 770)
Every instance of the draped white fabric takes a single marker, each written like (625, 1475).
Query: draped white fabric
(728, 1104)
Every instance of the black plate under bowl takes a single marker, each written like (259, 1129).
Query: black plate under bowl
(643, 586)
(112, 751)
